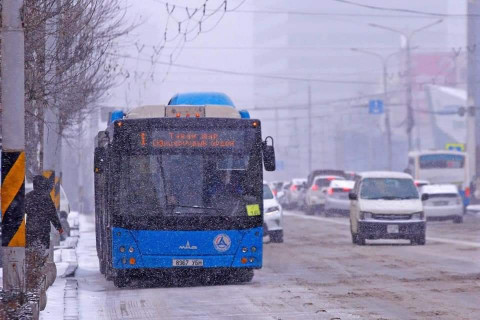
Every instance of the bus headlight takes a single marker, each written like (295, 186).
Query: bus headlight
(244, 249)
(122, 249)
(131, 250)
(418, 215)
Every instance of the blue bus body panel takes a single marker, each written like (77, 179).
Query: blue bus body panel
(157, 249)
(201, 98)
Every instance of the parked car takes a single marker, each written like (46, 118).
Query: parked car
(272, 215)
(444, 202)
(386, 205)
(293, 195)
(316, 194)
(277, 188)
(282, 194)
(336, 198)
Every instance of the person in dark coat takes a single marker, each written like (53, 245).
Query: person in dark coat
(40, 211)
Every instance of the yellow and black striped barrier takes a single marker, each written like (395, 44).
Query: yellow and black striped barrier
(13, 199)
(54, 183)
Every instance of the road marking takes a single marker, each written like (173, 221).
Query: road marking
(452, 241)
(329, 220)
(347, 223)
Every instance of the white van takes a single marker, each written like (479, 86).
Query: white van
(386, 205)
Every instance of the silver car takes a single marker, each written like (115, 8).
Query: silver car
(295, 193)
(444, 202)
(316, 194)
(336, 197)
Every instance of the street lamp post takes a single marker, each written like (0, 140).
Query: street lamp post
(388, 128)
(408, 37)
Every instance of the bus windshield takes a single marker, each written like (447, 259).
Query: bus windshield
(187, 184)
(441, 161)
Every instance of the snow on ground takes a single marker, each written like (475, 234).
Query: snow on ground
(54, 309)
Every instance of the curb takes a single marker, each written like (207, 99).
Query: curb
(70, 295)
(70, 302)
(69, 255)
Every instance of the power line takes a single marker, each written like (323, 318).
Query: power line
(418, 12)
(238, 73)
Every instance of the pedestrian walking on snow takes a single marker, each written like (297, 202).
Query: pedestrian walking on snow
(40, 211)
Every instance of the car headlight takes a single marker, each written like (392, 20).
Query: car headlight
(366, 215)
(418, 215)
(272, 210)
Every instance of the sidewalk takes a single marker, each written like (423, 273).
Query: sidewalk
(62, 295)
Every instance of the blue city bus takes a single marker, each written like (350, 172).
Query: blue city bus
(180, 193)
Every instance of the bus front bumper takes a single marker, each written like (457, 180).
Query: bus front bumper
(245, 260)
(391, 229)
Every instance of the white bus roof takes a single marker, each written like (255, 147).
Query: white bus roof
(424, 152)
(164, 111)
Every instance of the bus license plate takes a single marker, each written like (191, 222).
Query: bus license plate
(392, 228)
(187, 262)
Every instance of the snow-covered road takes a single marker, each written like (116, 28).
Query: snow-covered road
(316, 274)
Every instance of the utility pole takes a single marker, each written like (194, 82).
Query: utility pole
(409, 98)
(473, 100)
(310, 128)
(408, 66)
(13, 155)
(388, 127)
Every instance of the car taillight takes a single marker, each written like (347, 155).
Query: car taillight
(330, 191)
(293, 187)
(467, 192)
(274, 191)
(314, 187)
(347, 189)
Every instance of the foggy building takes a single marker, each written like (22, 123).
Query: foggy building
(311, 41)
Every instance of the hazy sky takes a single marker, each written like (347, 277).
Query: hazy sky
(230, 44)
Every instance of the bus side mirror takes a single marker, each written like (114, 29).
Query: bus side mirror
(99, 160)
(268, 154)
(425, 196)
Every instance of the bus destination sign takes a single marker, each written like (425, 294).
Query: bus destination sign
(232, 139)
